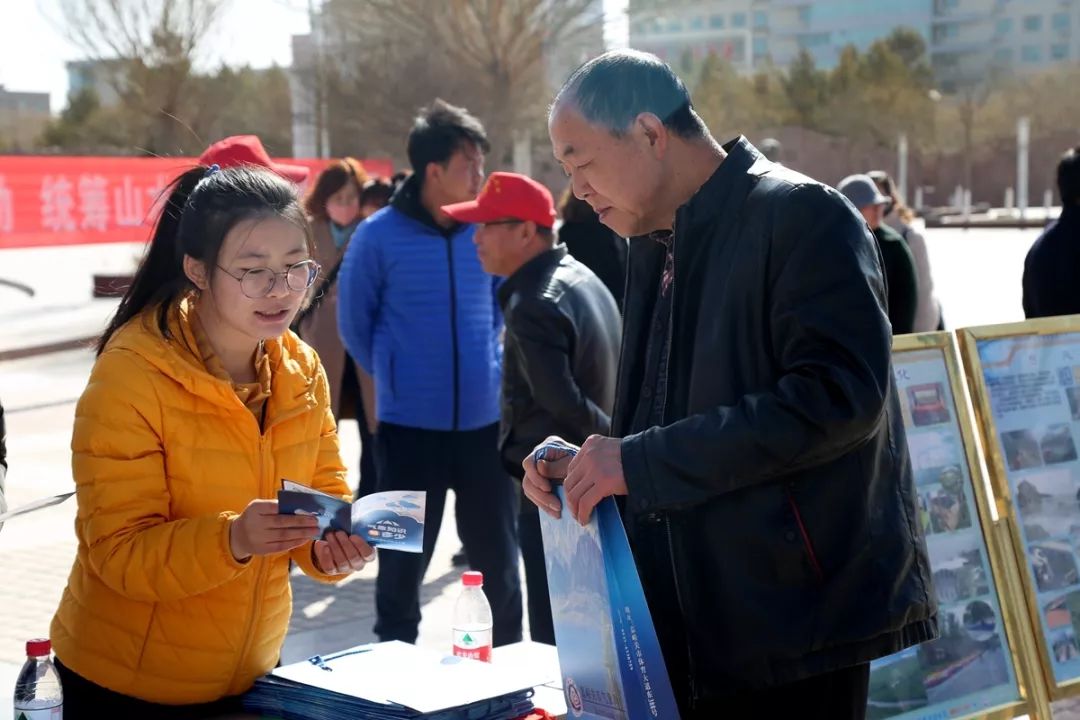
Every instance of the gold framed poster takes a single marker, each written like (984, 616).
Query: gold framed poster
(1025, 384)
(979, 666)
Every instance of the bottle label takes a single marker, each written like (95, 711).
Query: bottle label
(53, 713)
(473, 644)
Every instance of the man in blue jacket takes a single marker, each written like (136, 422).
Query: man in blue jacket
(418, 312)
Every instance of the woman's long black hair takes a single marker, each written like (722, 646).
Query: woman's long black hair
(202, 206)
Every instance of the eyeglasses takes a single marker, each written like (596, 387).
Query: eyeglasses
(260, 282)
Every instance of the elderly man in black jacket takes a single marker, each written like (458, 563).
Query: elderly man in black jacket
(561, 350)
(756, 435)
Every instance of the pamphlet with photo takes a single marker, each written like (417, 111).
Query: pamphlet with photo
(392, 520)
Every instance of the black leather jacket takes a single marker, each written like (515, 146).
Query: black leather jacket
(781, 469)
(560, 355)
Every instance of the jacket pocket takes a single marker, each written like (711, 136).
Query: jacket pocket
(808, 545)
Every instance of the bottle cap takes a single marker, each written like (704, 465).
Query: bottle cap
(472, 578)
(38, 647)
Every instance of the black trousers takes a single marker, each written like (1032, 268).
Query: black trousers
(352, 393)
(85, 699)
(368, 472)
(838, 695)
(466, 461)
(541, 627)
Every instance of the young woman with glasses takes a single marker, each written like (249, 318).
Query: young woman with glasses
(199, 404)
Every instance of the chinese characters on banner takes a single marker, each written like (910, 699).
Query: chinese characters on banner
(79, 200)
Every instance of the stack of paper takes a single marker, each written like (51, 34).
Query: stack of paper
(392, 680)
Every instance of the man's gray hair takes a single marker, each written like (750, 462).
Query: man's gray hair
(613, 89)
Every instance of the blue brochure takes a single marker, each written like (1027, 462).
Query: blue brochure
(610, 657)
(391, 520)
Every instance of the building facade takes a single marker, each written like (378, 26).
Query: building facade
(23, 117)
(966, 39)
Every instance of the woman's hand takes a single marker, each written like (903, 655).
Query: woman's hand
(260, 530)
(340, 554)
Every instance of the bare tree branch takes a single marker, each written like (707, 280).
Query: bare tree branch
(491, 56)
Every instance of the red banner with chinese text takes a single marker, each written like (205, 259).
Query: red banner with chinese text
(79, 200)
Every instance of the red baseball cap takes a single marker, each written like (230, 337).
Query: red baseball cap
(248, 150)
(507, 195)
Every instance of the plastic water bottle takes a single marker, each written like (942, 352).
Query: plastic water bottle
(38, 695)
(472, 619)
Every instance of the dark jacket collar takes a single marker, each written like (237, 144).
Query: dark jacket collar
(530, 272)
(720, 196)
(407, 201)
(722, 191)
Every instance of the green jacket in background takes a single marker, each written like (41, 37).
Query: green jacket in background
(901, 279)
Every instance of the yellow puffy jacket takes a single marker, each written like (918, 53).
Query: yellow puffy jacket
(165, 455)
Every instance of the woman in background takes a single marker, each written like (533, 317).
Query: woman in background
(341, 198)
(900, 217)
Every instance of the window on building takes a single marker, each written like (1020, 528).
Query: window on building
(761, 19)
(716, 21)
(947, 60)
(1059, 51)
(1031, 54)
(1061, 21)
(737, 53)
(1004, 26)
(674, 26)
(813, 40)
(1003, 56)
(697, 23)
(944, 6)
(738, 20)
(761, 47)
(947, 31)
(1033, 23)
(806, 14)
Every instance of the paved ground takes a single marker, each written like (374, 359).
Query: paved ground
(977, 275)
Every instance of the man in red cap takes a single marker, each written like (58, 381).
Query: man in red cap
(561, 350)
(248, 150)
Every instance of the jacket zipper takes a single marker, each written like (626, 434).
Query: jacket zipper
(805, 536)
(453, 325)
(256, 600)
(667, 519)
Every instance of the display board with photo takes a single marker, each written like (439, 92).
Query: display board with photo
(1025, 380)
(969, 670)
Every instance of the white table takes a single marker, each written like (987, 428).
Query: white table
(525, 654)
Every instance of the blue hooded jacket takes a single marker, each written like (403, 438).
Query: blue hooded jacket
(418, 312)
